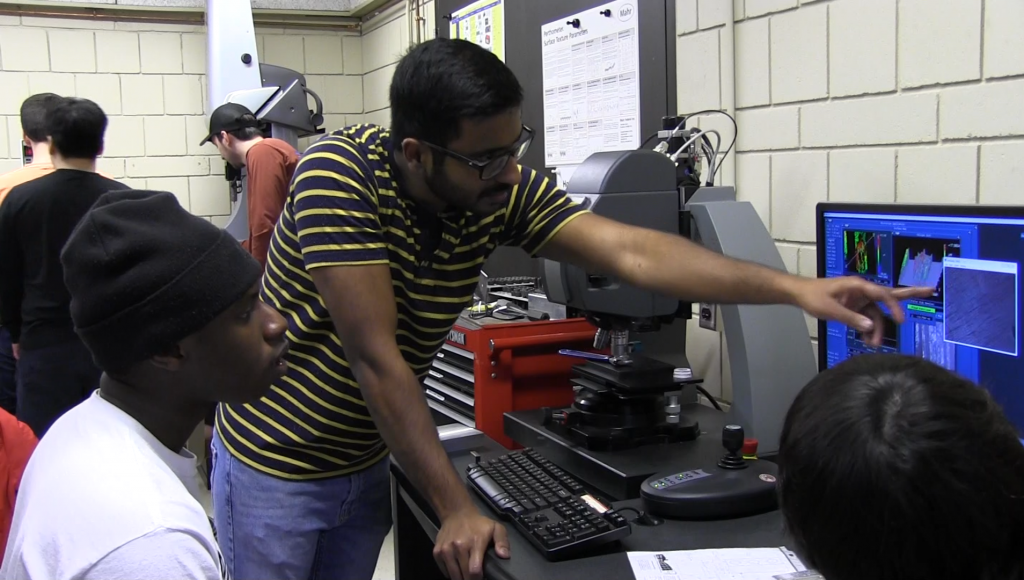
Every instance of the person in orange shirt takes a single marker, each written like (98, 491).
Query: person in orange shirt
(269, 164)
(35, 110)
(34, 113)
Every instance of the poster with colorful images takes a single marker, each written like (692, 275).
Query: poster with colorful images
(483, 24)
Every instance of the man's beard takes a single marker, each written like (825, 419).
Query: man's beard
(444, 189)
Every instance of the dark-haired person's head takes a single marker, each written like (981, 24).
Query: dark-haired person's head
(456, 118)
(76, 127)
(35, 113)
(162, 297)
(893, 468)
(233, 128)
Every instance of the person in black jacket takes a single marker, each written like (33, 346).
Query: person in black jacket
(55, 370)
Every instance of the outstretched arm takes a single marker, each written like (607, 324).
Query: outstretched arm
(675, 266)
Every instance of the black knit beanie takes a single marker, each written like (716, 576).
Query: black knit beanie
(144, 273)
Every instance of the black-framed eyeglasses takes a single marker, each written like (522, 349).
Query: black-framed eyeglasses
(492, 166)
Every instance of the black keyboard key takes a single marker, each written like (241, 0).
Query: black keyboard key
(528, 504)
(487, 485)
(618, 521)
(557, 542)
(584, 533)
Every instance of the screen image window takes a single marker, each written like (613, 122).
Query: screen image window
(971, 324)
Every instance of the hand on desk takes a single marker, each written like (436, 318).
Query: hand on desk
(463, 540)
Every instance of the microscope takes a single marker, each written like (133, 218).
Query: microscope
(623, 401)
(632, 431)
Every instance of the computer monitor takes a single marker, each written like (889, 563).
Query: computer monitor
(972, 255)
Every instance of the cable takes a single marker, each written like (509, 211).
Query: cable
(735, 132)
(692, 139)
(706, 149)
(648, 140)
(707, 395)
(712, 157)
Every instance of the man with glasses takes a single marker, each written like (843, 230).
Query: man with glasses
(377, 253)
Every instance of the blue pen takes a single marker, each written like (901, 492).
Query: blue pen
(583, 354)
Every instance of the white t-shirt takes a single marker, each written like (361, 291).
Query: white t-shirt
(102, 498)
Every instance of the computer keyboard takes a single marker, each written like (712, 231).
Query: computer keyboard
(545, 504)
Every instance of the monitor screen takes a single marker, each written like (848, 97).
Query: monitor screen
(973, 256)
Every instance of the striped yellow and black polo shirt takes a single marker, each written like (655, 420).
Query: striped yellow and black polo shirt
(345, 208)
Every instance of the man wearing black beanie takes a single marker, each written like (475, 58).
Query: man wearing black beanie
(168, 305)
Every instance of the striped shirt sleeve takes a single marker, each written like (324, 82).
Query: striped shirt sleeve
(336, 206)
(538, 210)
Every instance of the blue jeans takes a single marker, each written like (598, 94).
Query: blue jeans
(299, 530)
(8, 370)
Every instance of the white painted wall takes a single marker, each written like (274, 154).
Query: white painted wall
(150, 80)
(857, 100)
(385, 39)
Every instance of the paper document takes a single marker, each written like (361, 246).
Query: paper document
(591, 66)
(724, 564)
(483, 24)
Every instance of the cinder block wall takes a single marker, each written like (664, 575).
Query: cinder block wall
(385, 40)
(150, 79)
(911, 101)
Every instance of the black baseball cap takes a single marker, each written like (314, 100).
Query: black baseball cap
(230, 117)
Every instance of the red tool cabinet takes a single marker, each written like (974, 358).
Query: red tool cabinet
(489, 367)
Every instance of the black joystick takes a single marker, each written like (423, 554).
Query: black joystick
(732, 440)
(733, 487)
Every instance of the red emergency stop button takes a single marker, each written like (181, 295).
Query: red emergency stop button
(749, 447)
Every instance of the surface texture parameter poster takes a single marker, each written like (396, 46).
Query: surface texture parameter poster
(591, 83)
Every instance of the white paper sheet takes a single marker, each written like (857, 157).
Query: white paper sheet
(591, 83)
(724, 564)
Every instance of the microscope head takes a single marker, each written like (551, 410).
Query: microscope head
(636, 188)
